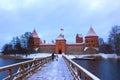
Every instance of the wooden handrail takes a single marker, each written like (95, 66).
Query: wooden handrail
(25, 68)
(78, 72)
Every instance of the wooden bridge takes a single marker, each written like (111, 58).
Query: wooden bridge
(46, 69)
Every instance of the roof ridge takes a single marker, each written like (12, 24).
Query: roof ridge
(91, 32)
(34, 33)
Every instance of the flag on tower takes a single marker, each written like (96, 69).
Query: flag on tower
(61, 29)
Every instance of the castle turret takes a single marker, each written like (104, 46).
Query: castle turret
(60, 44)
(35, 39)
(91, 39)
(79, 38)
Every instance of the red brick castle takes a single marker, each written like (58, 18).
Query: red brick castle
(89, 45)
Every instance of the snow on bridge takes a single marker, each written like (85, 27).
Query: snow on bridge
(55, 70)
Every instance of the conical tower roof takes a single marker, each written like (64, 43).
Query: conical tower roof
(60, 37)
(34, 34)
(79, 35)
(91, 32)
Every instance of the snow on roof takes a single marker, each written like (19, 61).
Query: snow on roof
(60, 37)
(91, 32)
(34, 34)
(79, 35)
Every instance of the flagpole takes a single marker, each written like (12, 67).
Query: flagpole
(61, 29)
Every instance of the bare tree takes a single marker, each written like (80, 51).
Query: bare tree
(22, 45)
(104, 47)
(114, 39)
(7, 49)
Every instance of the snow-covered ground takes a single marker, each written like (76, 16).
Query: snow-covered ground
(104, 56)
(41, 55)
(37, 55)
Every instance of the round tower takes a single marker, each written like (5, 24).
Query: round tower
(91, 41)
(35, 39)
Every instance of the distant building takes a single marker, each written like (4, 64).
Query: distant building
(35, 39)
(89, 45)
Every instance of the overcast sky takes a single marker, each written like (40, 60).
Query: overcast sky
(48, 16)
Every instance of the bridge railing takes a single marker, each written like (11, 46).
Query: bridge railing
(78, 72)
(25, 68)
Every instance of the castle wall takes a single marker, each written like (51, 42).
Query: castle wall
(70, 48)
(74, 48)
(47, 48)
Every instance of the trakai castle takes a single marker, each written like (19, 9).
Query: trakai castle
(87, 44)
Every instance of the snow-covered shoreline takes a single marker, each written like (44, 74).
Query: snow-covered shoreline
(99, 55)
(31, 56)
(37, 55)
(41, 55)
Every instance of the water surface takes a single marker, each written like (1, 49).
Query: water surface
(103, 69)
(5, 62)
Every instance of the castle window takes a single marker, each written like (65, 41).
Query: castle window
(92, 41)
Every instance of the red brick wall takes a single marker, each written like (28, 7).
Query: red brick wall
(36, 42)
(91, 41)
(47, 48)
(60, 45)
(74, 48)
(70, 48)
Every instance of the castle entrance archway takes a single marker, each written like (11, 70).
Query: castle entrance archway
(60, 51)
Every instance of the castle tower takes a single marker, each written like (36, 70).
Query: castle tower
(35, 39)
(60, 45)
(91, 39)
(79, 38)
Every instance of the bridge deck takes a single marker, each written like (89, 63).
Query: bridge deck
(55, 70)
